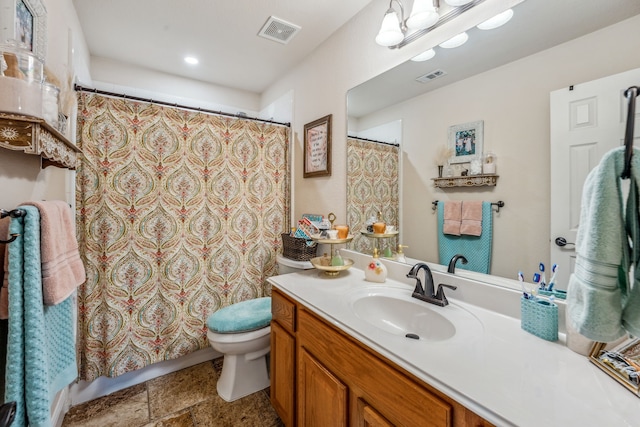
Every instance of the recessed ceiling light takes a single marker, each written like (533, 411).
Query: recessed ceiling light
(455, 41)
(424, 56)
(497, 21)
(191, 60)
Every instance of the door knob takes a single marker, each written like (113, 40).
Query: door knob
(562, 242)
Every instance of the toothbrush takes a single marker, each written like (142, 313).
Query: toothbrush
(524, 290)
(552, 281)
(543, 281)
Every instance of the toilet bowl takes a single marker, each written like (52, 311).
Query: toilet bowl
(241, 332)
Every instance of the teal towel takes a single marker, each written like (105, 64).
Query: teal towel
(600, 303)
(476, 249)
(41, 354)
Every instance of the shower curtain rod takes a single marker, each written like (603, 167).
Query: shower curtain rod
(79, 88)
(393, 144)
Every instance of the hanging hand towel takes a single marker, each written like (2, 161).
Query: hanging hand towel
(599, 285)
(41, 354)
(471, 224)
(4, 263)
(62, 268)
(452, 217)
(477, 249)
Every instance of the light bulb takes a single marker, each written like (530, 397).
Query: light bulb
(424, 56)
(497, 21)
(390, 33)
(190, 60)
(455, 41)
(423, 15)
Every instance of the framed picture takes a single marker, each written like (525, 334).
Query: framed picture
(622, 362)
(465, 141)
(24, 22)
(317, 147)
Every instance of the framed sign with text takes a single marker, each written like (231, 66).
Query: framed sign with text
(317, 148)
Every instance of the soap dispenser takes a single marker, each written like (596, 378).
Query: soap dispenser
(376, 271)
(400, 254)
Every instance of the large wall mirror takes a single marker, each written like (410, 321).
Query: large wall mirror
(502, 77)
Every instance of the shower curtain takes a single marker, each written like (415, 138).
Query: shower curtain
(372, 187)
(179, 214)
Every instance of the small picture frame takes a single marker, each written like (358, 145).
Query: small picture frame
(465, 141)
(621, 362)
(317, 147)
(24, 22)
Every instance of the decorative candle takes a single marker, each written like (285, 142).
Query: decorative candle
(343, 231)
(489, 164)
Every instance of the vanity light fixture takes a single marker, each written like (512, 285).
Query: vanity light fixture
(424, 56)
(455, 41)
(456, 3)
(497, 21)
(191, 60)
(424, 14)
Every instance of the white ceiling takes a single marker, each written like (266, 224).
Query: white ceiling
(158, 34)
(536, 25)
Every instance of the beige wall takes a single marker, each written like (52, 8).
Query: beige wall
(347, 59)
(21, 177)
(513, 101)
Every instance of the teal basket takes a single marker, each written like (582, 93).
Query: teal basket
(539, 317)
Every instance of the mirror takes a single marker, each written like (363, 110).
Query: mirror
(502, 77)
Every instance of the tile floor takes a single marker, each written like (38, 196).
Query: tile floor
(186, 398)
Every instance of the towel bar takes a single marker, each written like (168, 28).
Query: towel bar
(499, 205)
(16, 213)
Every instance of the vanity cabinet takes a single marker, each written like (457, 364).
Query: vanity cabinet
(321, 376)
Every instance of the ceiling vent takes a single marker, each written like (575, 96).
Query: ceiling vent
(278, 30)
(432, 75)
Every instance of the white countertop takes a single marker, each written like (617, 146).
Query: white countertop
(506, 375)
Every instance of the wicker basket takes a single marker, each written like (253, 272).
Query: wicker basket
(297, 249)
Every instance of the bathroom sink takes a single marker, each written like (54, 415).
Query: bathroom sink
(394, 311)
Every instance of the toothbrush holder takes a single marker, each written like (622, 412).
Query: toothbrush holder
(539, 317)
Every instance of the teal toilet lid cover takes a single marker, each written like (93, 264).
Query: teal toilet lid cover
(242, 316)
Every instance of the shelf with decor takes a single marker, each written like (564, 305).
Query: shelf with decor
(466, 181)
(33, 135)
(331, 270)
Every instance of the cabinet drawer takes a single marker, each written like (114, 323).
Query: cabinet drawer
(283, 311)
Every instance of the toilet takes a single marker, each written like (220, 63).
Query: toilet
(287, 265)
(241, 332)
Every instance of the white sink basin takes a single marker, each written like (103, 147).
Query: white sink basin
(395, 311)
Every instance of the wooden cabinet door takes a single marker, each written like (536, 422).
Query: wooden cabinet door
(283, 347)
(369, 417)
(322, 397)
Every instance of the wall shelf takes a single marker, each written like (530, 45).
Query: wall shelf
(33, 135)
(466, 181)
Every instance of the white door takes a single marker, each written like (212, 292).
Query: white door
(587, 120)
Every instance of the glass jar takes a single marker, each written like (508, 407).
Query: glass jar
(50, 95)
(21, 75)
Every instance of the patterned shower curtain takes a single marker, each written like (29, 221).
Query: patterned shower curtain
(178, 214)
(372, 187)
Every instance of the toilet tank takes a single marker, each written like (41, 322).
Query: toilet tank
(286, 265)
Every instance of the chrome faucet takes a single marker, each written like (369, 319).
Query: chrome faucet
(428, 293)
(452, 262)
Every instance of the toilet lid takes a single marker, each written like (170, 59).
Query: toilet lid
(242, 316)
